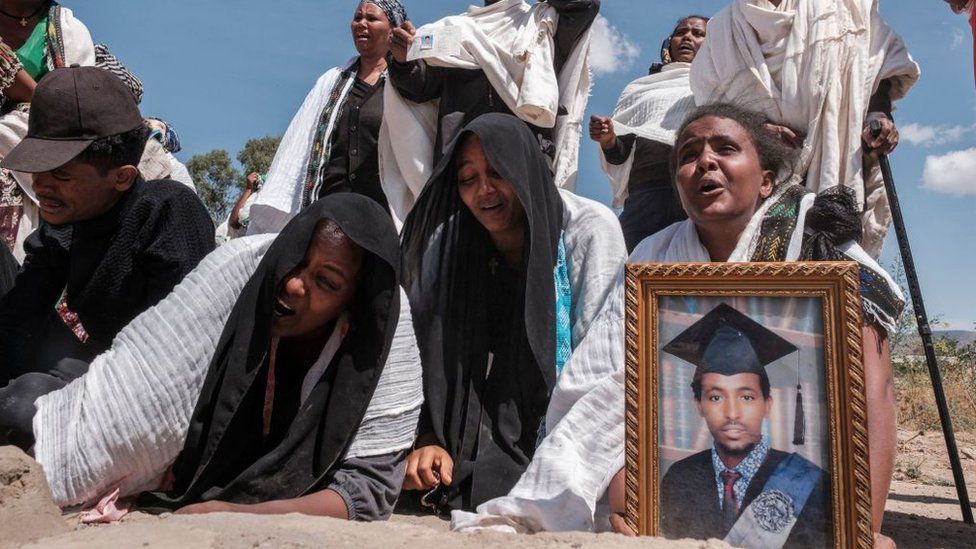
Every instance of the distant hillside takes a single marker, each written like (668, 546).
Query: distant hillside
(912, 345)
(964, 337)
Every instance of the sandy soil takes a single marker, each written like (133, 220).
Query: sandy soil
(923, 512)
(923, 509)
(222, 531)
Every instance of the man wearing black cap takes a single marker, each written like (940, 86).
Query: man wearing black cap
(741, 490)
(111, 244)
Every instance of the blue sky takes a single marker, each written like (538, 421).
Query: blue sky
(226, 71)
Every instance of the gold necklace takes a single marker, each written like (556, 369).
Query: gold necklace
(25, 19)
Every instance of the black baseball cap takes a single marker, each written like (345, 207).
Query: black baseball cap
(71, 108)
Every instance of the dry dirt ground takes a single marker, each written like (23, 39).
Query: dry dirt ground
(923, 512)
(923, 509)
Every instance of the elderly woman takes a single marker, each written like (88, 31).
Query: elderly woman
(298, 391)
(726, 166)
(504, 274)
(36, 36)
(331, 143)
(635, 142)
(823, 71)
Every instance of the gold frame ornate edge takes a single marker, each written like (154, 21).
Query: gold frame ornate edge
(838, 284)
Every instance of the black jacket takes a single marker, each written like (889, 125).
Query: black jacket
(109, 269)
(690, 508)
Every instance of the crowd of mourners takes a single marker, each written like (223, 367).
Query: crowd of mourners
(413, 309)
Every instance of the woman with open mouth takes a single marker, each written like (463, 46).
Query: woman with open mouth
(295, 392)
(733, 176)
(331, 143)
(504, 273)
(636, 140)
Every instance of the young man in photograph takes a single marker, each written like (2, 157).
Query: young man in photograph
(741, 489)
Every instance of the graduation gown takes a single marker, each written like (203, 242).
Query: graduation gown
(690, 507)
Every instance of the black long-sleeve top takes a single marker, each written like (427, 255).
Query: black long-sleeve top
(106, 271)
(354, 162)
(467, 94)
(651, 161)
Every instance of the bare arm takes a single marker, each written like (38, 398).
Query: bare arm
(882, 423)
(235, 215)
(21, 90)
(326, 503)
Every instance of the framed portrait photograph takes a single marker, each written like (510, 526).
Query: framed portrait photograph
(746, 412)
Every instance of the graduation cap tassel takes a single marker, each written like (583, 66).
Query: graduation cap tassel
(799, 421)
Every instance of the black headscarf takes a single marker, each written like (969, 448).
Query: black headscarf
(447, 258)
(217, 461)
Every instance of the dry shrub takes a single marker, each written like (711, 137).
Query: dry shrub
(916, 399)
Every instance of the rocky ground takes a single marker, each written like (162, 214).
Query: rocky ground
(923, 513)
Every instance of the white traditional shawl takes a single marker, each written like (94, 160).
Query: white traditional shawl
(512, 43)
(125, 421)
(280, 198)
(812, 65)
(652, 107)
(78, 49)
(595, 253)
(563, 488)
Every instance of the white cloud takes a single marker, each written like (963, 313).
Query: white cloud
(930, 136)
(953, 173)
(610, 50)
(958, 38)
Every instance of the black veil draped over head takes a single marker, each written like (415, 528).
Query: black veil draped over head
(221, 459)
(448, 264)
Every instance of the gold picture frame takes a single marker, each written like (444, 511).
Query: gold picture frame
(836, 285)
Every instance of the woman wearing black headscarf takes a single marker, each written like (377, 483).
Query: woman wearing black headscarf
(504, 273)
(294, 372)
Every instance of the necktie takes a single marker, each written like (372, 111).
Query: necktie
(730, 505)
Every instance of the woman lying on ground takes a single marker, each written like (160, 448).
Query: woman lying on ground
(331, 143)
(310, 400)
(748, 217)
(505, 273)
(636, 141)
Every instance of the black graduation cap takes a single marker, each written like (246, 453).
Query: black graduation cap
(727, 342)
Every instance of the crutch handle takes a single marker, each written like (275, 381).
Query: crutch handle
(875, 126)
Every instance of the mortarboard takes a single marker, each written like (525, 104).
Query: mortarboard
(727, 342)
